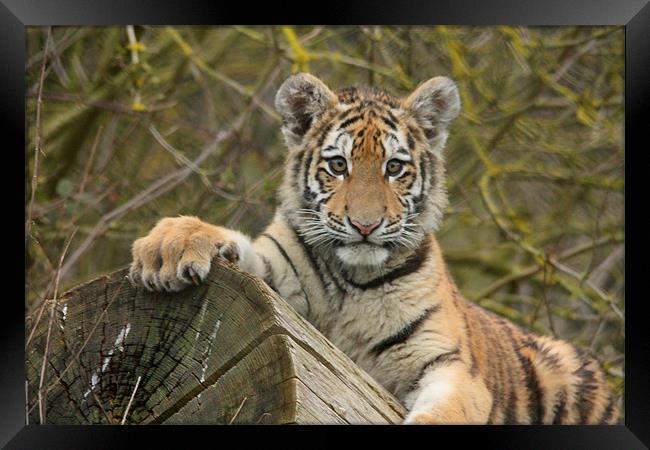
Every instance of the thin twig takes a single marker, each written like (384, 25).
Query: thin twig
(262, 417)
(536, 253)
(153, 191)
(169, 181)
(599, 292)
(535, 269)
(599, 275)
(237, 412)
(117, 108)
(89, 162)
(184, 160)
(594, 338)
(26, 402)
(75, 358)
(96, 398)
(39, 133)
(128, 406)
(133, 44)
(57, 47)
(86, 381)
(205, 68)
(41, 298)
(547, 303)
(54, 283)
(42, 399)
(38, 318)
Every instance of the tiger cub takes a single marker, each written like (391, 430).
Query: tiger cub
(352, 249)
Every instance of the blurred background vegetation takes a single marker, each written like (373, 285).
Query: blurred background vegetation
(130, 124)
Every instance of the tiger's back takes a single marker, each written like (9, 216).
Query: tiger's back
(536, 379)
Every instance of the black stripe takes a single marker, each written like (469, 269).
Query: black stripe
(505, 399)
(268, 274)
(535, 394)
(383, 149)
(391, 115)
(448, 357)
(405, 333)
(411, 182)
(411, 141)
(559, 409)
(350, 121)
(306, 167)
(344, 114)
(389, 122)
(444, 358)
(609, 411)
(334, 219)
(511, 409)
(493, 409)
(320, 202)
(473, 366)
(332, 276)
(424, 163)
(323, 170)
(510, 412)
(314, 264)
(551, 360)
(412, 264)
(293, 268)
(584, 399)
(323, 133)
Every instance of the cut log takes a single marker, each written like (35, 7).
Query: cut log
(227, 351)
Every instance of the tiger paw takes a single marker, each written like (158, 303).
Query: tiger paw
(422, 418)
(178, 252)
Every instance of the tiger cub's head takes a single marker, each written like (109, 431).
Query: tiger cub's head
(365, 173)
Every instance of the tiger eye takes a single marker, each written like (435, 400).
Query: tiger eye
(393, 167)
(338, 166)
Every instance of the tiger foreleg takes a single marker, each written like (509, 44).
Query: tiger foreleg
(449, 395)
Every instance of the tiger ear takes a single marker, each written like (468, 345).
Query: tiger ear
(434, 104)
(301, 99)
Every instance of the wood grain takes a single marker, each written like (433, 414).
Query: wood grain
(228, 351)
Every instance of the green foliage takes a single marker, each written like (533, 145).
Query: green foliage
(145, 122)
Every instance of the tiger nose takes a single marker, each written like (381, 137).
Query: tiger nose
(364, 229)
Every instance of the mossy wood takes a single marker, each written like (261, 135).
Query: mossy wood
(228, 351)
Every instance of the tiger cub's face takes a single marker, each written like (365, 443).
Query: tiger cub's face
(365, 173)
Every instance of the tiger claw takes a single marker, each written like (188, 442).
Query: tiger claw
(192, 275)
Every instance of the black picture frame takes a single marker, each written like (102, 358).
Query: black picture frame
(15, 15)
